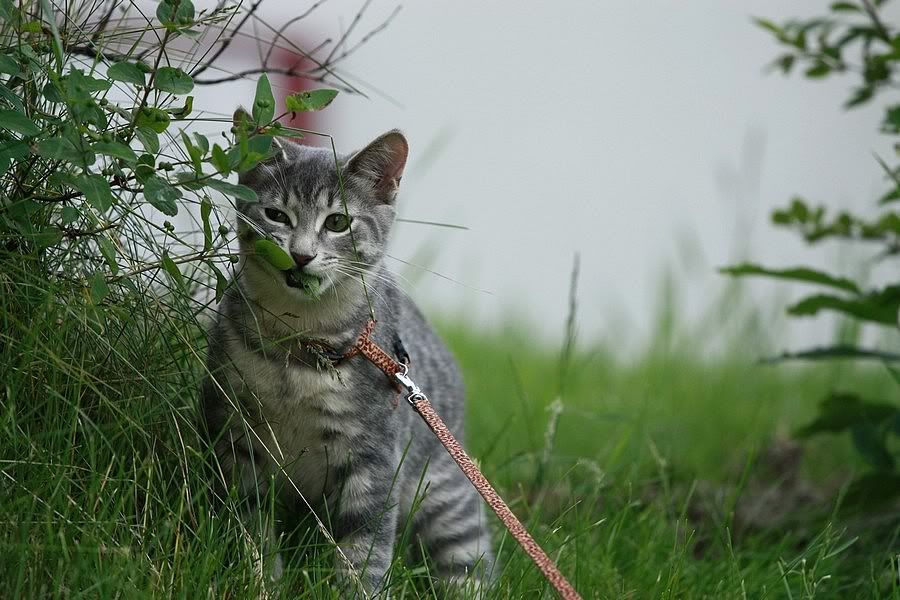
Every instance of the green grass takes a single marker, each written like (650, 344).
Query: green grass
(636, 481)
(650, 456)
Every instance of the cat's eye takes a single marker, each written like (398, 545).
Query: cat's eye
(273, 214)
(337, 222)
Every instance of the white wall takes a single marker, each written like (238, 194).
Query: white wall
(617, 130)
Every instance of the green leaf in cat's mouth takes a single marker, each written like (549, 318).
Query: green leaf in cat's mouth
(309, 283)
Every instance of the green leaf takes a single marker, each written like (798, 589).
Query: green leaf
(804, 274)
(844, 7)
(311, 285)
(871, 491)
(891, 122)
(205, 210)
(869, 442)
(202, 142)
(16, 121)
(81, 83)
(173, 80)
(47, 9)
(291, 132)
(249, 152)
(162, 195)
(126, 72)
(31, 27)
(818, 70)
(310, 101)
(11, 97)
(260, 144)
(9, 12)
(9, 65)
(274, 255)
(175, 13)
(172, 269)
(770, 26)
(220, 160)
(116, 150)
(108, 250)
(891, 196)
(46, 237)
(145, 167)
(99, 288)
(59, 148)
(264, 102)
(221, 281)
(184, 111)
(860, 96)
(190, 180)
(785, 63)
(96, 190)
(194, 152)
(148, 138)
(153, 118)
(840, 412)
(879, 307)
(52, 92)
(236, 191)
(14, 149)
(836, 352)
(69, 214)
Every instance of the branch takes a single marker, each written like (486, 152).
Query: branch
(876, 20)
(209, 61)
(289, 72)
(281, 30)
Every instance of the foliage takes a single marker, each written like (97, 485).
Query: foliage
(851, 39)
(101, 296)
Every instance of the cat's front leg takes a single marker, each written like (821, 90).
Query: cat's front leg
(366, 523)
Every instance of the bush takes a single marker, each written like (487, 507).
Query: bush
(101, 348)
(853, 40)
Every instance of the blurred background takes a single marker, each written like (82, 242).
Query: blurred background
(649, 138)
(646, 445)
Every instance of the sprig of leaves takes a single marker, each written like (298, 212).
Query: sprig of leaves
(852, 39)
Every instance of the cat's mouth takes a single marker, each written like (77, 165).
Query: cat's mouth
(306, 282)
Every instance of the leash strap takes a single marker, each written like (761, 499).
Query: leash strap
(420, 403)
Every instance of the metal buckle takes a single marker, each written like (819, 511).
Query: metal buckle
(414, 394)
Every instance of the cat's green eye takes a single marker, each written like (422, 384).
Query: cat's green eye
(337, 222)
(273, 214)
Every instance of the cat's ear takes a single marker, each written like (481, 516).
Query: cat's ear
(381, 164)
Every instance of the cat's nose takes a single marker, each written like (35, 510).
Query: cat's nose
(302, 259)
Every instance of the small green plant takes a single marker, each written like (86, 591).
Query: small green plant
(852, 39)
(100, 328)
(86, 147)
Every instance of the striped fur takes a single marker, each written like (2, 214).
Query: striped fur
(282, 425)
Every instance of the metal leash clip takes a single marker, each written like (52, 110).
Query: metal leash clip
(414, 394)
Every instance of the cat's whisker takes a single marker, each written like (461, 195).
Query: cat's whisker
(441, 275)
(371, 276)
(389, 281)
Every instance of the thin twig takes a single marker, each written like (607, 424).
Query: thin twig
(203, 66)
(876, 20)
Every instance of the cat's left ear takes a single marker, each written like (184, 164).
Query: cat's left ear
(381, 164)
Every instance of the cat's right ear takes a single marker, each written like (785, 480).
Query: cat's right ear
(381, 164)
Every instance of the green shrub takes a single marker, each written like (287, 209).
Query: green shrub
(101, 350)
(852, 39)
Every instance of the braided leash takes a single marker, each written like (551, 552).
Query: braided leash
(399, 372)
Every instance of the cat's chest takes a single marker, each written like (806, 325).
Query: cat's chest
(309, 418)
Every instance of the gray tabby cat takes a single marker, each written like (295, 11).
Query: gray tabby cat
(282, 424)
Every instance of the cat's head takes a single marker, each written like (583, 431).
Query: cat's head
(333, 228)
